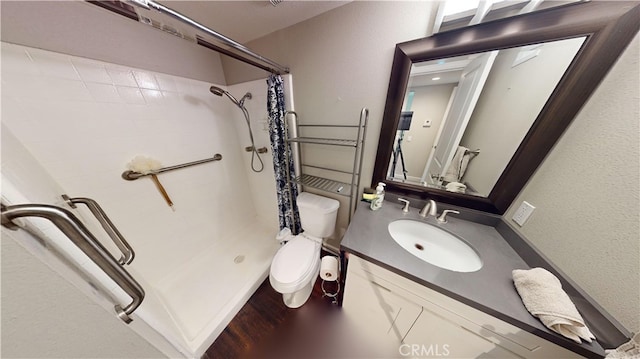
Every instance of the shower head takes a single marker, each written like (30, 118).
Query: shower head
(219, 92)
(216, 90)
(254, 153)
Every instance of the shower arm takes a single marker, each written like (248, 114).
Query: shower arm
(149, 4)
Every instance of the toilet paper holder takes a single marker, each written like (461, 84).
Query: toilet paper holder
(330, 272)
(333, 296)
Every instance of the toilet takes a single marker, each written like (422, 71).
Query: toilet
(296, 265)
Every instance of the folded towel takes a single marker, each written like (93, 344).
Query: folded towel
(628, 350)
(542, 295)
(458, 165)
(455, 187)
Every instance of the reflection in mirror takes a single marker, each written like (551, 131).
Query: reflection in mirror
(608, 28)
(464, 117)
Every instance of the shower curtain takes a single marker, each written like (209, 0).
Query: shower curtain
(283, 169)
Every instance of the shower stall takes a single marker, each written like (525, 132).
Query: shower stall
(71, 127)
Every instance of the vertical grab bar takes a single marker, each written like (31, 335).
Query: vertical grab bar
(127, 252)
(71, 226)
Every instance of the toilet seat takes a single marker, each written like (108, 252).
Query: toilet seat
(295, 264)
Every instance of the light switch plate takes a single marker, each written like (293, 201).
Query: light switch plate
(523, 213)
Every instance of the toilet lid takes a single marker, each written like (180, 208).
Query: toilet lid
(294, 260)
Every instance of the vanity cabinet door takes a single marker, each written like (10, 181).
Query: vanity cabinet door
(389, 305)
(378, 310)
(433, 335)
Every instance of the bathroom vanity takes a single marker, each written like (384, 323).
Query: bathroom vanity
(396, 294)
(429, 311)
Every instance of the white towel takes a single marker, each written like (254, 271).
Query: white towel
(456, 187)
(543, 296)
(628, 350)
(458, 165)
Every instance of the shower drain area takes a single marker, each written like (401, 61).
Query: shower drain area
(195, 304)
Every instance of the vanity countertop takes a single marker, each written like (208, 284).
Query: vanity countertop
(489, 289)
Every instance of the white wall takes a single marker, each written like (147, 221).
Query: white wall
(262, 184)
(586, 191)
(44, 316)
(510, 101)
(86, 30)
(429, 103)
(341, 62)
(84, 120)
(587, 197)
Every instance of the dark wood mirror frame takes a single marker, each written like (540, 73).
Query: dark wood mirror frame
(609, 27)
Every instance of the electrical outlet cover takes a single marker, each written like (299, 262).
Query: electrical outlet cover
(523, 213)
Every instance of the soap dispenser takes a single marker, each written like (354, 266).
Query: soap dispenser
(377, 202)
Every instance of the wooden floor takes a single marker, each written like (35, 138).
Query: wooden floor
(265, 327)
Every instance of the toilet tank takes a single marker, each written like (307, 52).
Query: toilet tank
(317, 214)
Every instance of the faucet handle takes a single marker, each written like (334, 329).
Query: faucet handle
(405, 209)
(443, 216)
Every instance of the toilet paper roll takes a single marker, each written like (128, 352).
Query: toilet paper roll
(329, 268)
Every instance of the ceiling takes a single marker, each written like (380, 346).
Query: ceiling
(242, 21)
(439, 72)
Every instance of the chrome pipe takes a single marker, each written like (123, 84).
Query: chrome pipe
(76, 231)
(295, 147)
(127, 252)
(149, 4)
(355, 186)
(326, 168)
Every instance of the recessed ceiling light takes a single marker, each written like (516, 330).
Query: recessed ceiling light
(435, 79)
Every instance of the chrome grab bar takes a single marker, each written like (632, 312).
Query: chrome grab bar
(132, 175)
(127, 252)
(73, 228)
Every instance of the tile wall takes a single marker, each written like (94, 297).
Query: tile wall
(84, 120)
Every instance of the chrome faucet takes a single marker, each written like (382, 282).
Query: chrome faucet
(430, 209)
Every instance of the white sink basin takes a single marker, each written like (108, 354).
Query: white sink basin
(435, 246)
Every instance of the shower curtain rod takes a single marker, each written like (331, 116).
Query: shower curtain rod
(149, 4)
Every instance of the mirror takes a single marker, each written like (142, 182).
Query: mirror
(598, 33)
(463, 117)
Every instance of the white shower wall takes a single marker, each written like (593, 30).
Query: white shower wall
(261, 184)
(85, 119)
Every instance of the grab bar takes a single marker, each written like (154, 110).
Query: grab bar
(133, 175)
(71, 226)
(127, 252)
